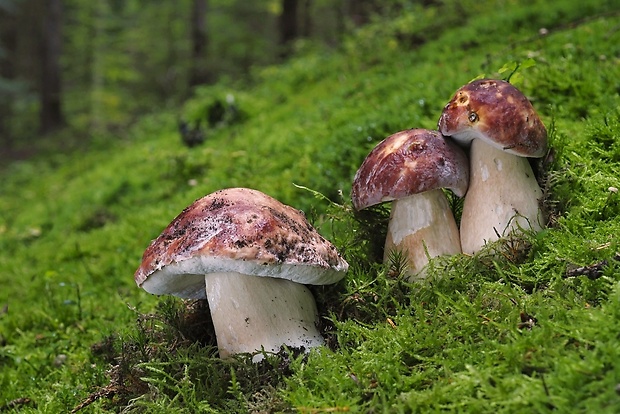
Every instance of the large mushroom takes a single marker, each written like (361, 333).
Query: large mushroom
(249, 255)
(410, 168)
(503, 128)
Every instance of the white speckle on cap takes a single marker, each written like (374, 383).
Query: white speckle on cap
(485, 173)
(498, 164)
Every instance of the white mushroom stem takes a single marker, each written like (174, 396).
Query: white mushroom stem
(251, 313)
(503, 197)
(422, 227)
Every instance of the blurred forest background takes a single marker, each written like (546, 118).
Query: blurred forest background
(89, 67)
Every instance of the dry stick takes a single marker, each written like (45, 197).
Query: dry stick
(15, 404)
(593, 271)
(104, 393)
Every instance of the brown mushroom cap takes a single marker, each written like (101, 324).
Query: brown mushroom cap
(499, 114)
(407, 163)
(237, 230)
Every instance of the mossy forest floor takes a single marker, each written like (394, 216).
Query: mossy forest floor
(535, 328)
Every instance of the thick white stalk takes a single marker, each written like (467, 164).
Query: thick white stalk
(422, 227)
(251, 313)
(503, 197)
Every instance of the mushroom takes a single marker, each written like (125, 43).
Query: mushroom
(410, 168)
(503, 128)
(249, 255)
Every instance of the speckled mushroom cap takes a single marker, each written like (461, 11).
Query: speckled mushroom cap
(407, 163)
(499, 114)
(237, 230)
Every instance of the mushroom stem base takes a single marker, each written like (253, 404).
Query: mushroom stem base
(503, 197)
(422, 227)
(251, 313)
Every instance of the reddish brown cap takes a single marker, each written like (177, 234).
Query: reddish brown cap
(407, 163)
(237, 230)
(498, 113)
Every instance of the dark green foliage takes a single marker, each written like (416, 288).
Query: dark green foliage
(603, 136)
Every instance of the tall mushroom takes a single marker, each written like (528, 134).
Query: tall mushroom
(249, 255)
(503, 128)
(410, 168)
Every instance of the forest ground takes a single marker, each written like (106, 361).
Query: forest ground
(535, 329)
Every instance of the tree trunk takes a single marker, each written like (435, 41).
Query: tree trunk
(8, 45)
(359, 11)
(306, 30)
(288, 26)
(98, 49)
(200, 40)
(51, 117)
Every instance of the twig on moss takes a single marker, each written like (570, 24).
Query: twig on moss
(593, 271)
(15, 404)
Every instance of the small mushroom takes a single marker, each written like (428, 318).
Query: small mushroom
(249, 255)
(410, 168)
(503, 129)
